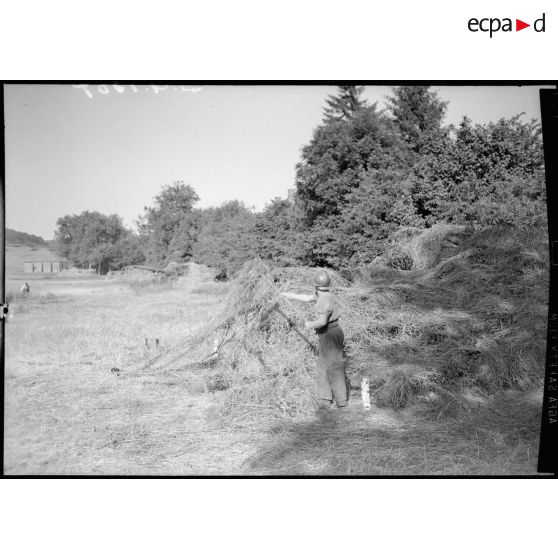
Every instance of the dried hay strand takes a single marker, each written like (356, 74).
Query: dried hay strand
(399, 388)
(253, 297)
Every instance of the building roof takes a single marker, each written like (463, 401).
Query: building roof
(43, 255)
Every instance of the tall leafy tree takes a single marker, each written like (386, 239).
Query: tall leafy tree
(276, 233)
(340, 156)
(225, 239)
(345, 104)
(339, 153)
(381, 204)
(185, 235)
(485, 175)
(418, 113)
(90, 239)
(171, 215)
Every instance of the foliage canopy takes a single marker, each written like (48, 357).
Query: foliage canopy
(363, 175)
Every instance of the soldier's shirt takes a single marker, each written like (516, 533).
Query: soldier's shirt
(325, 305)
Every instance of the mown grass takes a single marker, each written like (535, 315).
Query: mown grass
(67, 413)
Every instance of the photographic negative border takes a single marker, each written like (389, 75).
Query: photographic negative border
(548, 450)
(547, 460)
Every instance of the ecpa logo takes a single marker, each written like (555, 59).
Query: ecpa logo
(492, 25)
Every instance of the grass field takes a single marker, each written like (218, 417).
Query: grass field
(67, 413)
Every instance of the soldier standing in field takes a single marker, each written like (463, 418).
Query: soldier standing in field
(331, 362)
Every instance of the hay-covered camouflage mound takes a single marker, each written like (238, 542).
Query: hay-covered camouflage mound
(471, 323)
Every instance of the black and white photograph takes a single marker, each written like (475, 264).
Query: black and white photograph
(277, 280)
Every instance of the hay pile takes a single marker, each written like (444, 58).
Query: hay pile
(472, 322)
(256, 348)
(414, 248)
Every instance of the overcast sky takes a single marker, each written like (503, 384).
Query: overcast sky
(69, 150)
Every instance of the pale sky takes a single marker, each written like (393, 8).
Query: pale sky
(68, 150)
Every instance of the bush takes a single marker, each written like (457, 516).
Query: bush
(488, 175)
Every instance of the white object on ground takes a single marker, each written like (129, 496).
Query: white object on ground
(365, 391)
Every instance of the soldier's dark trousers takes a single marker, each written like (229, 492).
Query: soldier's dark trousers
(331, 365)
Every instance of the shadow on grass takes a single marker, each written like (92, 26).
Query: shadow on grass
(499, 438)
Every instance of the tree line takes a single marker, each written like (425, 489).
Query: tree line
(364, 174)
(13, 237)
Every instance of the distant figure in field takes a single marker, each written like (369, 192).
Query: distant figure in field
(25, 289)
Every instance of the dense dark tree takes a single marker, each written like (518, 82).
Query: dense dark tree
(181, 247)
(418, 113)
(380, 205)
(341, 156)
(486, 175)
(338, 155)
(276, 233)
(345, 104)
